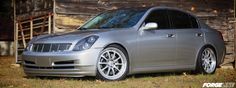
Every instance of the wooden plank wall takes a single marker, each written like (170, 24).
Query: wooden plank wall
(72, 13)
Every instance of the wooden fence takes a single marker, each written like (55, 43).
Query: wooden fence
(26, 29)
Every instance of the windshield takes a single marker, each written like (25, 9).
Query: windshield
(115, 19)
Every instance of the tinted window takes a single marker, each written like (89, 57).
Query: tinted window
(160, 17)
(182, 20)
(193, 22)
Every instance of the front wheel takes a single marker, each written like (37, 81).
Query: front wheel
(112, 63)
(206, 62)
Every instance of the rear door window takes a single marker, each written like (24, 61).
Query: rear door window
(181, 20)
(193, 22)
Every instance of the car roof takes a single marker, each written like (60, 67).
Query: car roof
(149, 7)
(156, 7)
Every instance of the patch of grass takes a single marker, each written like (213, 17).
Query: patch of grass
(14, 77)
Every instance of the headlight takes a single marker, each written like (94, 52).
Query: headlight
(85, 43)
(30, 44)
(28, 47)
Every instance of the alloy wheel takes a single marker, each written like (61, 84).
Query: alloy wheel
(112, 63)
(208, 60)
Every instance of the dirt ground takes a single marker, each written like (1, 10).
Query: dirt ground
(12, 76)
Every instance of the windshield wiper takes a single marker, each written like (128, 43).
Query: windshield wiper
(104, 27)
(83, 28)
(94, 28)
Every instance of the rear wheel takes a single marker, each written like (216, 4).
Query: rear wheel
(206, 62)
(112, 63)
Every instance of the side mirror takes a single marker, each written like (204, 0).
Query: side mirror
(150, 25)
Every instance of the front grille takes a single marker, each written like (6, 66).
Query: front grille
(50, 47)
(64, 62)
(29, 62)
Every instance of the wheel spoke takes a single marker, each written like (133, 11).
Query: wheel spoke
(104, 57)
(206, 61)
(108, 71)
(116, 68)
(115, 60)
(208, 53)
(104, 68)
(108, 54)
(205, 66)
(204, 54)
(208, 58)
(118, 63)
(113, 72)
(102, 63)
(113, 56)
(209, 66)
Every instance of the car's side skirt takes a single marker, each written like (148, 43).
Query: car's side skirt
(162, 69)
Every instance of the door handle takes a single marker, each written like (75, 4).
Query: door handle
(199, 34)
(170, 35)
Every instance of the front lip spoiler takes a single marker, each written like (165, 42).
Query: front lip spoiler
(77, 71)
(55, 75)
(47, 64)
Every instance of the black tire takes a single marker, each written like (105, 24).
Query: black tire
(199, 65)
(101, 77)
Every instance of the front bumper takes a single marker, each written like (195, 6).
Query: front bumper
(66, 64)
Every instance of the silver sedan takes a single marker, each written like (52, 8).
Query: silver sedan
(127, 41)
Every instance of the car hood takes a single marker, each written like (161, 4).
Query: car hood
(70, 37)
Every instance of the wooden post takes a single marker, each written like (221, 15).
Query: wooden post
(22, 33)
(15, 30)
(54, 15)
(49, 23)
(235, 43)
(31, 27)
(16, 42)
(235, 34)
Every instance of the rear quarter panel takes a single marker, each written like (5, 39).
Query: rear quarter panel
(213, 38)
